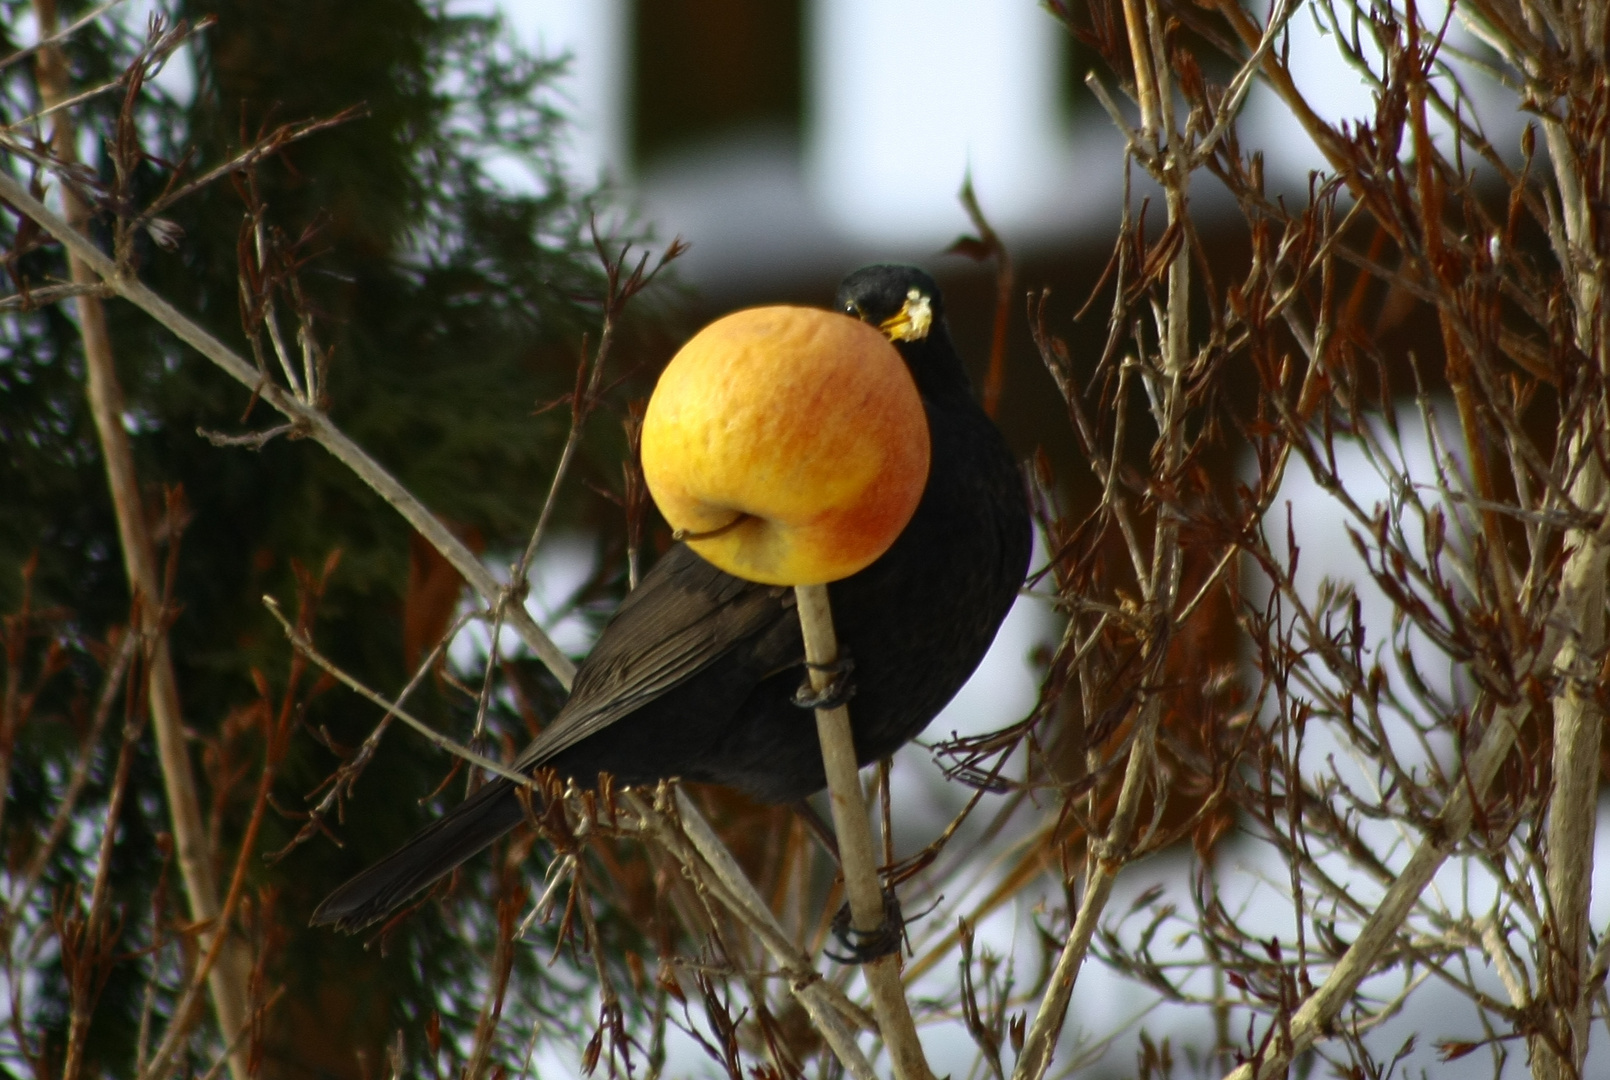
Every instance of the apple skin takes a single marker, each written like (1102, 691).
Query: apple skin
(788, 445)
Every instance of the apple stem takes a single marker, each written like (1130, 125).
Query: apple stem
(854, 831)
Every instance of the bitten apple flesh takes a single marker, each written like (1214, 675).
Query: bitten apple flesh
(788, 445)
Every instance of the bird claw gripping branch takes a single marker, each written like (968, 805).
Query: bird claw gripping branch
(839, 690)
(865, 946)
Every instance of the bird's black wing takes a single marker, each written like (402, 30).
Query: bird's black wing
(683, 616)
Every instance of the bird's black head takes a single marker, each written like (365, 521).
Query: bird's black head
(902, 301)
(905, 303)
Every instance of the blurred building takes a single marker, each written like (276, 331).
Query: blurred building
(791, 138)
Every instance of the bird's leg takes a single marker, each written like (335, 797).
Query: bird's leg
(865, 946)
(840, 690)
(819, 827)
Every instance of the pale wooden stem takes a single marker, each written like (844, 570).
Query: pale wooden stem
(854, 830)
(1573, 810)
(1574, 800)
(227, 982)
(1578, 714)
(1145, 87)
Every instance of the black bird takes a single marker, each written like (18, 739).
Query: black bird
(697, 674)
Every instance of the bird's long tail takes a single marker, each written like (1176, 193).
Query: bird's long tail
(434, 851)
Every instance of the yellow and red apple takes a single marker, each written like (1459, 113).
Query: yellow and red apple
(787, 445)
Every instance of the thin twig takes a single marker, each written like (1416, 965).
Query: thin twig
(50, 294)
(392, 708)
(58, 36)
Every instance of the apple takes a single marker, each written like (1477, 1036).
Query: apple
(787, 445)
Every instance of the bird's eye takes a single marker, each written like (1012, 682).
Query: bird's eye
(852, 308)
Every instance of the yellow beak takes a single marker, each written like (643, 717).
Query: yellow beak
(913, 321)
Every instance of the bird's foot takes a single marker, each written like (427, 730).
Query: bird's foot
(838, 690)
(865, 946)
